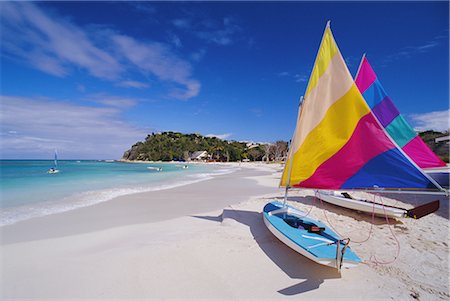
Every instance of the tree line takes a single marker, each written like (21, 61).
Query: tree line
(174, 146)
(441, 149)
(169, 146)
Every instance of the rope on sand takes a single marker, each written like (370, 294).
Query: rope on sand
(373, 259)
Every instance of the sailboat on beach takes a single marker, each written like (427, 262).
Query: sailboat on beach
(54, 169)
(338, 144)
(396, 125)
(399, 130)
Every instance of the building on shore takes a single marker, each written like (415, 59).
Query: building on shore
(199, 156)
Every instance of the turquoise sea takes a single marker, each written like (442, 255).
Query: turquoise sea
(27, 190)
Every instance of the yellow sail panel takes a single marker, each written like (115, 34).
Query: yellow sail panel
(338, 143)
(326, 52)
(329, 96)
(284, 176)
(327, 138)
(332, 85)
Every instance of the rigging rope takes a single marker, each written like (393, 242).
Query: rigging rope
(311, 207)
(373, 259)
(334, 228)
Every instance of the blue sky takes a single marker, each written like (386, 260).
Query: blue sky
(91, 79)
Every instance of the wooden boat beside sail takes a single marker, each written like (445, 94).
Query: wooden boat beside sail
(338, 144)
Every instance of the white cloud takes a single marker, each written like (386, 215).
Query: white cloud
(175, 40)
(258, 112)
(52, 44)
(113, 101)
(157, 59)
(143, 7)
(301, 78)
(219, 33)
(282, 74)
(438, 121)
(133, 84)
(57, 46)
(297, 77)
(220, 136)
(182, 23)
(81, 88)
(410, 51)
(33, 128)
(198, 55)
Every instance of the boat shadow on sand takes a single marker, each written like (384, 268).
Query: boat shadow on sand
(289, 261)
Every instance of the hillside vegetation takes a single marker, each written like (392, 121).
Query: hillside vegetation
(168, 146)
(441, 149)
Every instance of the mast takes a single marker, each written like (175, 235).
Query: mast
(290, 152)
(56, 159)
(298, 117)
(360, 64)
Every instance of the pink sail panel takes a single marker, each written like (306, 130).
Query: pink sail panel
(394, 123)
(366, 76)
(422, 154)
(354, 155)
(338, 142)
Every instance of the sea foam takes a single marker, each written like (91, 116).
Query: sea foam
(13, 215)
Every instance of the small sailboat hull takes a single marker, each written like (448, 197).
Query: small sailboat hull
(154, 168)
(347, 201)
(337, 199)
(55, 168)
(295, 230)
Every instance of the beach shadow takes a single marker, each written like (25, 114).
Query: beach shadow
(307, 285)
(356, 215)
(290, 262)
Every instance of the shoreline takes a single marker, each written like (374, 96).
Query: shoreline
(15, 214)
(208, 240)
(135, 208)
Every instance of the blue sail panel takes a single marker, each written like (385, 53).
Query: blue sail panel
(389, 170)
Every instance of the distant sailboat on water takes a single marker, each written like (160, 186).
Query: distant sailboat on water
(54, 169)
(154, 168)
(337, 145)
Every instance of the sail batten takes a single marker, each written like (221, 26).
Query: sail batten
(338, 143)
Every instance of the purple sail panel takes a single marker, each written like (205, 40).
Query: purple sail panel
(387, 114)
(385, 111)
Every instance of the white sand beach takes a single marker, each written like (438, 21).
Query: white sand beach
(208, 240)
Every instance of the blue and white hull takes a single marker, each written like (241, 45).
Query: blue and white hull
(325, 247)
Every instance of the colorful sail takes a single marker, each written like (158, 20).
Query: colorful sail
(387, 114)
(338, 143)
